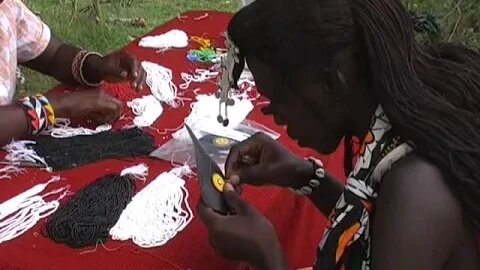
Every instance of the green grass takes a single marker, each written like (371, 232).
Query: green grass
(459, 21)
(84, 31)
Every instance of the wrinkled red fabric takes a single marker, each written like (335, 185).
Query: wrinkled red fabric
(298, 223)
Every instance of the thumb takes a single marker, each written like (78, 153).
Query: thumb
(256, 175)
(233, 200)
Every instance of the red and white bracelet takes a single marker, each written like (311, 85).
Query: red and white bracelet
(317, 178)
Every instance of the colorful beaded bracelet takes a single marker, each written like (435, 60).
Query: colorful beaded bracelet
(40, 113)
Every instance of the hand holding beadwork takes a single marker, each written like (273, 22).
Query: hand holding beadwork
(260, 160)
(93, 103)
(116, 67)
(244, 235)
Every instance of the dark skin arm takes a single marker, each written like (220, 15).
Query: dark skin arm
(56, 61)
(418, 223)
(13, 124)
(92, 103)
(326, 195)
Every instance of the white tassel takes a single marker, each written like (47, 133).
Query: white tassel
(62, 129)
(140, 172)
(172, 39)
(157, 213)
(147, 109)
(22, 212)
(9, 170)
(19, 152)
(159, 79)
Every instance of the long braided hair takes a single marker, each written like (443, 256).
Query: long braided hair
(431, 94)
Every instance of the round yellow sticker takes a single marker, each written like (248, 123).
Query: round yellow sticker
(221, 141)
(218, 182)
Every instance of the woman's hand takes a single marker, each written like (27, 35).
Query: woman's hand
(245, 235)
(116, 67)
(260, 160)
(93, 103)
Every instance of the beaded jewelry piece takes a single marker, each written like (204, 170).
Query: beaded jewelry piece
(226, 81)
(39, 112)
(318, 177)
(77, 68)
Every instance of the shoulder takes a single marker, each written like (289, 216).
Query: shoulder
(419, 183)
(418, 222)
(415, 199)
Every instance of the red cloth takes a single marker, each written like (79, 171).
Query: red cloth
(298, 223)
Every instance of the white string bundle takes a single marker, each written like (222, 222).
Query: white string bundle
(19, 152)
(63, 130)
(159, 79)
(22, 212)
(172, 39)
(147, 109)
(11, 169)
(200, 75)
(203, 118)
(157, 213)
(139, 172)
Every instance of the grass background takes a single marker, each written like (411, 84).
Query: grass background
(459, 22)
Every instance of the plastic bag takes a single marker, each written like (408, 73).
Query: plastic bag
(216, 143)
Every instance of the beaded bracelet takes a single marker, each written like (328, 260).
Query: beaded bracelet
(318, 177)
(77, 68)
(40, 113)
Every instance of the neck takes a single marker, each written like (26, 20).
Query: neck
(362, 121)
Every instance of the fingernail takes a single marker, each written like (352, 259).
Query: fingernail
(134, 85)
(228, 187)
(124, 74)
(135, 74)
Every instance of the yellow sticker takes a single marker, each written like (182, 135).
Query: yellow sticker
(218, 181)
(221, 141)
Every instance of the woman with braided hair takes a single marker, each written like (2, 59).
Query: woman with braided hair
(343, 69)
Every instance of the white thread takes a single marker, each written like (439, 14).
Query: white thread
(140, 172)
(19, 152)
(200, 75)
(63, 130)
(203, 118)
(159, 79)
(157, 213)
(8, 170)
(147, 109)
(172, 39)
(22, 212)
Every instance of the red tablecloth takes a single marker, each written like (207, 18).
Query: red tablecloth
(298, 223)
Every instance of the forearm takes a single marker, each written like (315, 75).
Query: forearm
(327, 194)
(56, 61)
(13, 124)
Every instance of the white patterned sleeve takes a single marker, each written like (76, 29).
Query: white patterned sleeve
(33, 35)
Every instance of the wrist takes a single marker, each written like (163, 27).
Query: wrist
(91, 69)
(39, 113)
(313, 174)
(305, 170)
(274, 259)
